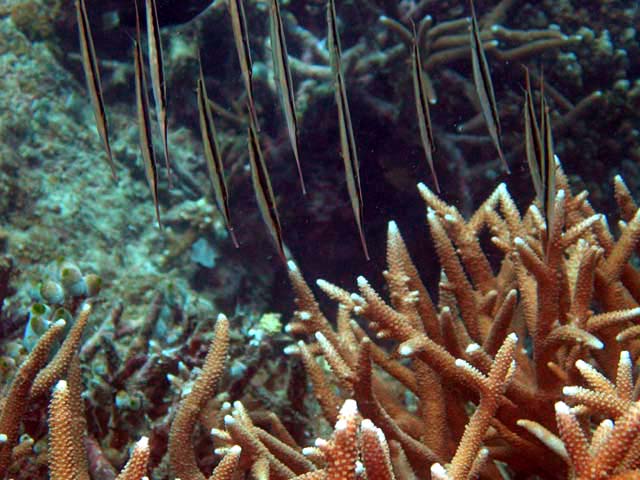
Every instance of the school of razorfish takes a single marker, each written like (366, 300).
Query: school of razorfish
(538, 141)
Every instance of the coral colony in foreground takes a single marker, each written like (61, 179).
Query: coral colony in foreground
(522, 366)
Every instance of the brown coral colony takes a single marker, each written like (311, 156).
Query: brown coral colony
(520, 365)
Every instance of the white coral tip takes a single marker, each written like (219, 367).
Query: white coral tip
(60, 386)
(562, 408)
(438, 471)
(472, 347)
(143, 443)
(349, 408)
(405, 350)
(570, 391)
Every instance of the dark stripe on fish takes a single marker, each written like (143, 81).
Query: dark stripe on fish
(144, 123)
(92, 75)
(347, 141)
(213, 157)
(533, 144)
(158, 85)
(484, 87)
(283, 75)
(241, 38)
(264, 192)
(549, 166)
(422, 108)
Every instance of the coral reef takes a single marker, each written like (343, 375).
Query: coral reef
(506, 346)
(501, 369)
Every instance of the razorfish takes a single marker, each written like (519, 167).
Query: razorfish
(539, 150)
(156, 67)
(484, 87)
(144, 123)
(241, 39)
(263, 190)
(213, 157)
(422, 107)
(284, 83)
(92, 75)
(347, 141)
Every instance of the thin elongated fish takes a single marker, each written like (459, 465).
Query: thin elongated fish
(158, 85)
(212, 156)
(347, 141)
(422, 107)
(144, 123)
(283, 80)
(539, 150)
(92, 74)
(241, 38)
(549, 171)
(263, 190)
(533, 143)
(484, 87)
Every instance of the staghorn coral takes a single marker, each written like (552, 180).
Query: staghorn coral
(567, 289)
(137, 391)
(526, 358)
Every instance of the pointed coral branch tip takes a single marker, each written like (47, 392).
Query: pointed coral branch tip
(61, 385)
(349, 408)
(562, 408)
(143, 443)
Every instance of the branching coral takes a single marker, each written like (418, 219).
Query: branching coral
(567, 289)
(526, 358)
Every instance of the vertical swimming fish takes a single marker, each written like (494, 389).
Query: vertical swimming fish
(263, 190)
(156, 67)
(283, 80)
(422, 107)
(212, 156)
(347, 141)
(539, 150)
(92, 75)
(144, 124)
(484, 87)
(549, 165)
(533, 143)
(241, 38)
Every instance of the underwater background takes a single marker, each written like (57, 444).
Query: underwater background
(70, 235)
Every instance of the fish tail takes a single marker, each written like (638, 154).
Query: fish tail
(157, 207)
(435, 176)
(165, 144)
(233, 236)
(302, 185)
(363, 241)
